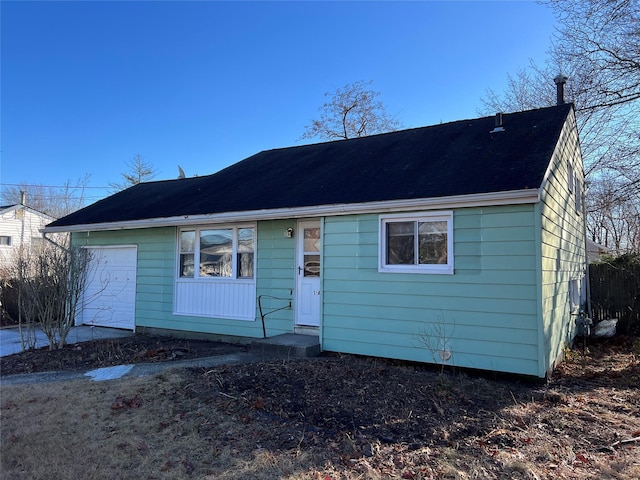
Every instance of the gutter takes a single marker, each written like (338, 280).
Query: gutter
(53, 242)
(512, 197)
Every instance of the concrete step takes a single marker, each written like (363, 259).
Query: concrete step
(289, 345)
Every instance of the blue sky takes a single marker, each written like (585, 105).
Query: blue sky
(88, 85)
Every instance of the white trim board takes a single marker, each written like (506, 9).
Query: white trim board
(514, 197)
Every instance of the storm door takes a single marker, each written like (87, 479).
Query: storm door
(308, 269)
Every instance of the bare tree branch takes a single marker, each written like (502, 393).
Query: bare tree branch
(352, 111)
(597, 45)
(139, 170)
(54, 201)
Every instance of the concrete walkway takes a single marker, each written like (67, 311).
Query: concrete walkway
(10, 344)
(137, 370)
(282, 346)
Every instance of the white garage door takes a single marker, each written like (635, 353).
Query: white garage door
(110, 294)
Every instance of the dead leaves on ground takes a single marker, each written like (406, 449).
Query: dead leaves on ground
(393, 418)
(121, 402)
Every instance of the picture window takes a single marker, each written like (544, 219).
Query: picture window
(217, 252)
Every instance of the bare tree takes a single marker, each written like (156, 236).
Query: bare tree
(54, 201)
(600, 39)
(139, 170)
(597, 45)
(351, 111)
(613, 220)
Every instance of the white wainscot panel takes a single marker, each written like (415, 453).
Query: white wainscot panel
(234, 300)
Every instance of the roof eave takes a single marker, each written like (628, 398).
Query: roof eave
(512, 197)
(18, 206)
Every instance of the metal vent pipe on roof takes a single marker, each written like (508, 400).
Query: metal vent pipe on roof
(498, 126)
(560, 81)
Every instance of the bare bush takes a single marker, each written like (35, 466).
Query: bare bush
(48, 284)
(437, 338)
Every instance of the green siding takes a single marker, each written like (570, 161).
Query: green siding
(155, 269)
(562, 251)
(276, 269)
(156, 249)
(486, 310)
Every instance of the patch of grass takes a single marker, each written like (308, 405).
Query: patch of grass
(341, 418)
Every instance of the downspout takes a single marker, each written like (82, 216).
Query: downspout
(53, 242)
(23, 199)
(322, 285)
(586, 252)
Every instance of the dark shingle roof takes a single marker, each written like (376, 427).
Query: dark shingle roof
(457, 158)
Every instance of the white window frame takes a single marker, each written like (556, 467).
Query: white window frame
(435, 216)
(6, 241)
(196, 253)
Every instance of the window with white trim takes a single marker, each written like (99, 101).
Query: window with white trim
(416, 243)
(217, 252)
(5, 240)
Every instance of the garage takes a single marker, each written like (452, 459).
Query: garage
(110, 293)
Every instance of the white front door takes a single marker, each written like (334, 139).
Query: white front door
(308, 269)
(109, 296)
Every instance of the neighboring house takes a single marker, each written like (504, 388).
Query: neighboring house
(20, 227)
(596, 251)
(461, 243)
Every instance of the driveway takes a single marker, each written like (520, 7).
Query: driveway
(10, 337)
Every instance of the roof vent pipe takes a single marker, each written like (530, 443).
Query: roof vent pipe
(498, 127)
(23, 197)
(560, 80)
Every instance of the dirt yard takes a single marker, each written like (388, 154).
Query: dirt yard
(335, 417)
(106, 353)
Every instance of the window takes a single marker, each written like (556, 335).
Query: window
(5, 240)
(575, 188)
(417, 243)
(37, 243)
(571, 178)
(578, 195)
(220, 252)
(576, 294)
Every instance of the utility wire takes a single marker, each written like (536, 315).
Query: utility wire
(71, 187)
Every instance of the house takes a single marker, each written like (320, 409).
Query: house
(596, 251)
(20, 227)
(461, 243)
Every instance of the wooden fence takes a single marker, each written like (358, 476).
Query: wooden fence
(615, 293)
